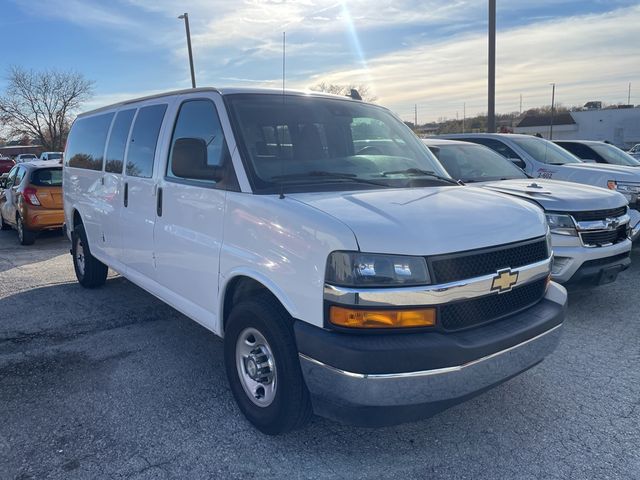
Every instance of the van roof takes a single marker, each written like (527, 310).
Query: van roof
(221, 91)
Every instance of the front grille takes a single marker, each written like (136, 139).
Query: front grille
(471, 313)
(476, 263)
(606, 237)
(598, 214)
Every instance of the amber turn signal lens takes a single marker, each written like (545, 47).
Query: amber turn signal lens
(352, 318)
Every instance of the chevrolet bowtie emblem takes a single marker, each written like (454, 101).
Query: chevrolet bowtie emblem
(504, 281)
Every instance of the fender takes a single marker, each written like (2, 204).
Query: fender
(276, 291)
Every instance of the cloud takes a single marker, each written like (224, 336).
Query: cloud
(588, 57)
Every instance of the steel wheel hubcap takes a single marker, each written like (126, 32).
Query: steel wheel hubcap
(80, 256)
(256, 367)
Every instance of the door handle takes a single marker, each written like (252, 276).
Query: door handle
(126, 194)
(159, 204)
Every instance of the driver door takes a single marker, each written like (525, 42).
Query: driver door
(8, 197)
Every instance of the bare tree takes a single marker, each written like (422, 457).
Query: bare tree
(336, 89)
(41, 105)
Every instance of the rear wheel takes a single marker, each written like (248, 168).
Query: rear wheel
(263, 368)
(25, 236)
(90, 271)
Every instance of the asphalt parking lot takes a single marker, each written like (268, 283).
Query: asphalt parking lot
(111, 383)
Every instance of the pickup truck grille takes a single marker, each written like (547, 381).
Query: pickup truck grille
(471, 313)
(598, 214)
(476, 263)
(606, 237)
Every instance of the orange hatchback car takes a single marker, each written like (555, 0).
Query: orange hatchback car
(31, 200)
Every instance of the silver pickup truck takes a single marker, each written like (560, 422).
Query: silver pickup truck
(589, 225)
(541, 158)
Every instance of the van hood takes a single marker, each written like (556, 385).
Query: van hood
(430, 221)
(558, 196)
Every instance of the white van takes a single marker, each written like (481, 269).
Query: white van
(347, 272)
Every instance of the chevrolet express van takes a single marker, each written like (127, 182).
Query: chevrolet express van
(348, 274)
(589, 225)
(541, 158)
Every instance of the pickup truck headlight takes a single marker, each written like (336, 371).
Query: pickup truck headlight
(356, 269)
(561, 224)
(631, 191)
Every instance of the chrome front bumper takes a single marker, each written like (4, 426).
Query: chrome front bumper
(375, 399)
(427, 386)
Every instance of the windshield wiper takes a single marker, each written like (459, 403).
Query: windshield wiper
(424, 173)
(322, 173)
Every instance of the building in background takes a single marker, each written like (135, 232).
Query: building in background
(619, 126)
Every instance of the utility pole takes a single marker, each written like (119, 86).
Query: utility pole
(185, 17)
(520, 104)
(491, 111)
(415, 115)
(629, 96)
(464, 116)
(553, 102)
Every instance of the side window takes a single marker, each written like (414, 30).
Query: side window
(118, 141)
(142, 148)
(85, 147)
(12, 177)
(498, 146)
(199, 119)
(20, 175)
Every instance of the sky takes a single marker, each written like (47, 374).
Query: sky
(428, 53)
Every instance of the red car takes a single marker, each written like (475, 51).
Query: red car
(6, 164)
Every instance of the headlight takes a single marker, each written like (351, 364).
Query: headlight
(561, 224)
(355, 269)
(629, 190)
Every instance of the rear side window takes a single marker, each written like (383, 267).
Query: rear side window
(85, 147)
(578, 149)
(118, 141)
(47, 177)
(142, 148)
(20, 175)
(497, 146)
(199, 119)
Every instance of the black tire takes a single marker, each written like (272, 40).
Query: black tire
(291, 406)
(4, 225)
(90, 272)
(25, 236)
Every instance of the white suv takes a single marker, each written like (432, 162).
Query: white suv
(347, 272)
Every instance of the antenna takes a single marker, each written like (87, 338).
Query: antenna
(284, 50)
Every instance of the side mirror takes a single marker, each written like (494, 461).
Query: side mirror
(518, 162)
(189, 160)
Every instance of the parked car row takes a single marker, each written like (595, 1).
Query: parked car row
(352, 271)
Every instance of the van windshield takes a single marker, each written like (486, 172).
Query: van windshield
(300, 143)
(545, 151)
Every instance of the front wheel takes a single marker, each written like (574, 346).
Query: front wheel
(25, 236)
(90, 271)
(261, 360)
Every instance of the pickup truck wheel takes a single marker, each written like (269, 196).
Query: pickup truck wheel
(25, 237)
(261, 360)
(90, 272)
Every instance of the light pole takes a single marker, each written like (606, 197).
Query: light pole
(185, 17)
(553, 102)
(491, 110)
